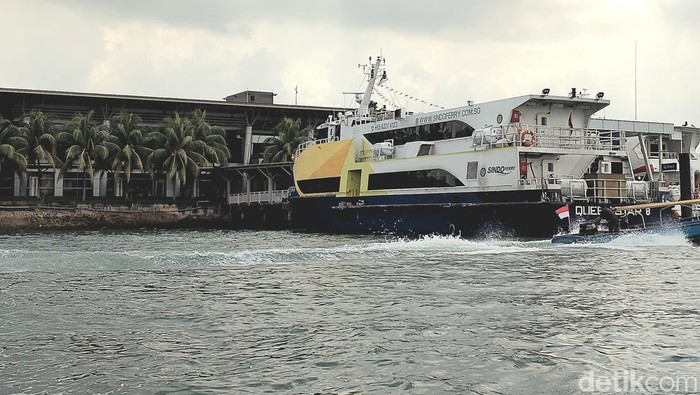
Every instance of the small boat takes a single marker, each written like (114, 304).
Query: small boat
(589, 233)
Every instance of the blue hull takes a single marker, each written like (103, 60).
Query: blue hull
(689, 228)
(502, 213)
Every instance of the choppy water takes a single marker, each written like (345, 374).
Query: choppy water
(282, 312)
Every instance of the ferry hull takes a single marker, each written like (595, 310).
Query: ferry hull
(437, 214)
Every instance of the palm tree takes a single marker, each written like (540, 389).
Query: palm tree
(39, 131)
(176, 151)
(290, 135)
(11, 141)
(211, 140)
(87, 142)
(131, 153)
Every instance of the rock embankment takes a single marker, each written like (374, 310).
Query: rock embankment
(13, 219)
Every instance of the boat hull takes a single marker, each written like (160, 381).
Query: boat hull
(689, 228)
(500, 214)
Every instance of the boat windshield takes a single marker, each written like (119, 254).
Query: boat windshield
(430, 132)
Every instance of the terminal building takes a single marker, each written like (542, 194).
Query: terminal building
(247, 118)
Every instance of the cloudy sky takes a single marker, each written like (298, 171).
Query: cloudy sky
(442, 51)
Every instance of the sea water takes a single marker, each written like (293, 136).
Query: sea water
(199, 311)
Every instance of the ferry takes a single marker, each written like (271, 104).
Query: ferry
(521, 166)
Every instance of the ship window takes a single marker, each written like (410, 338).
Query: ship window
(616, 167)
(543, 121)
(550, 167)
(429, 132)
(432, 178)
(654, 147)
(319, 185)
(471, 170)
(424, 149)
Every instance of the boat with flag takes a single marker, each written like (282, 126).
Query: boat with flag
(590, 233)
(520, 166)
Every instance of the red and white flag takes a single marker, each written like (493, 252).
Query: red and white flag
(563, 212)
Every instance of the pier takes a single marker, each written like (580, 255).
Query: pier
(257, 194)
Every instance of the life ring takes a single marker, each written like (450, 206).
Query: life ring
(527, 138)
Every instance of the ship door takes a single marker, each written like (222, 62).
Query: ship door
(354, 178)
(542, 122)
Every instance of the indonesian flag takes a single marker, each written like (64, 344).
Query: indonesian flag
(563, 212)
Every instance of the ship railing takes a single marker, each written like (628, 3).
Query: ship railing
(366, 154)
(667, 155)
(310, 143)
(385, 115)
(537, 136)
(607, 190)
(369, 154)
(261, 197)
(598, 190)
(601, 190)
(539, 182)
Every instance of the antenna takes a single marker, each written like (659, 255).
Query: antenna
(635, 80)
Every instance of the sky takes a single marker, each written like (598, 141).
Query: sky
(443, 52)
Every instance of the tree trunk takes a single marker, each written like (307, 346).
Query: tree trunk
(38, 167)
(84, 177)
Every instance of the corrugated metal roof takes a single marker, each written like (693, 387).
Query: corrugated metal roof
(165, 99)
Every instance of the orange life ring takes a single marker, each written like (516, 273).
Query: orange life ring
(527, 138)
